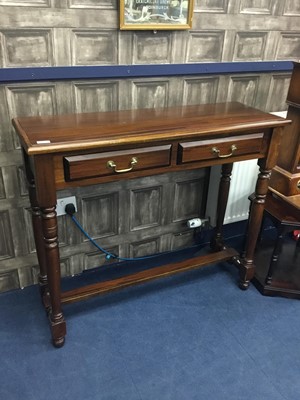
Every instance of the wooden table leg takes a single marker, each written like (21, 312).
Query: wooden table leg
(44, 202)
(57, 322)
(217, 242)
(37, 231)
(246, 265)
(39, 244)
(276, 252)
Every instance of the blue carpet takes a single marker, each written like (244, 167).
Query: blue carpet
(195, 336)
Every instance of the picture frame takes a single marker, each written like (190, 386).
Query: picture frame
(156, 14)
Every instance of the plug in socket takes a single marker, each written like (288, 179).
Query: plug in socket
(61, 204)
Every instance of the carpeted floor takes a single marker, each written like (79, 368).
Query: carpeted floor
(195, 336)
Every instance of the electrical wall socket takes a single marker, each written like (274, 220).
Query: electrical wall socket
(61, 204)
(197, 222)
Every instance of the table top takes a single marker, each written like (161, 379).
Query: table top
(50, 134)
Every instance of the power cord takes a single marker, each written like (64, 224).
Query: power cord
(70, 210)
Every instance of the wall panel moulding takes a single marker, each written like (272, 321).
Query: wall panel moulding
(148, 70)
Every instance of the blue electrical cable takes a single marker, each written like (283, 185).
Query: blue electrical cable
(108, 254)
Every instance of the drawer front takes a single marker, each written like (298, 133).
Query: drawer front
(115, 162)
(220, 148)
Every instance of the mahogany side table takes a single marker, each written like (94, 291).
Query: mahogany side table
(87, 149)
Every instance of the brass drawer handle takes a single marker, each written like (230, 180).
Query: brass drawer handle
(113, 165)
(217, 151)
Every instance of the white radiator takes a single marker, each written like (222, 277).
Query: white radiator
(243, 182)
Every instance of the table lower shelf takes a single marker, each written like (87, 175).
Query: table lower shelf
(95, 289)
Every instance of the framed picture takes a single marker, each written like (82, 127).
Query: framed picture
(156, 14)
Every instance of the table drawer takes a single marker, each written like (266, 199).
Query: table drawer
(220, 148)
(116, 162)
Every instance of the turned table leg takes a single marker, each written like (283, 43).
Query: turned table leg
(57, 322)
(217, 242)
(246, 265)
(39, 244)
(37, 231)
(275, 255)
(43, 200)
